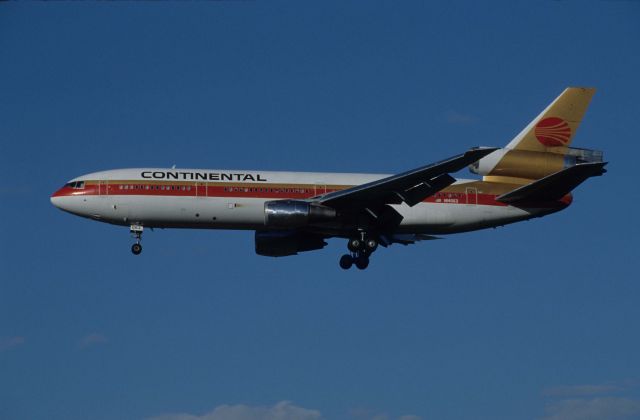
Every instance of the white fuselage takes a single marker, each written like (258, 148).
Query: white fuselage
(223, 199)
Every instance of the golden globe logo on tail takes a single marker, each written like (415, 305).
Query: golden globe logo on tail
(553, 132)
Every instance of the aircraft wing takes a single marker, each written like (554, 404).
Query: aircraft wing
(405, 238)
(410, 187)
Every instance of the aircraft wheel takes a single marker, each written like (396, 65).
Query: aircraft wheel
(136, 249)
(362, 262)
(354, 244)
(346, 261)
(371, 245)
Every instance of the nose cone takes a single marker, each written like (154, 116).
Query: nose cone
(62, 199)
(56, 198)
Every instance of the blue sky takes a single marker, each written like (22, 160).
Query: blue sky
(537, 320)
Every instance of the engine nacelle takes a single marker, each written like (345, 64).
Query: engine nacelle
(293, 213)
(530, 164)
(282, 243)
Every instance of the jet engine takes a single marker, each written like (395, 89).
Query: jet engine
(531, 164)
(282, 243)
(294, 214)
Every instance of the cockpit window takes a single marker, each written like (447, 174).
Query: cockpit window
(77, 185)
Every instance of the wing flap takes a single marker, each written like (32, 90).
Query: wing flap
(405, 238)
(416, 194)
(554, 186)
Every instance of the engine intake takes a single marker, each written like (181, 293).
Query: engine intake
(293, 213)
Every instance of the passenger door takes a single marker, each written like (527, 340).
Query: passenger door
(103, 188)
(472, 195)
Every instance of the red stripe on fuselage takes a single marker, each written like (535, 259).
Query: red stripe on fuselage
(262, 191)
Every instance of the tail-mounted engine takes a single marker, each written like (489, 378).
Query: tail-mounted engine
(294, 214)
(531, 164)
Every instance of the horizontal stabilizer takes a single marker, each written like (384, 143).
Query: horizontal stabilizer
(555, 186)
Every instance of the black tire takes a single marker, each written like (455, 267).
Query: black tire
(346, 261)
(136, 249)
(354, 244)
(362, 262)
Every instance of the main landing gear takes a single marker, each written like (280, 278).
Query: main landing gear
(136, 231)
(360, 249)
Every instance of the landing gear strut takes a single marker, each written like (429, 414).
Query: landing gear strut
(136, 231)
(360, 249)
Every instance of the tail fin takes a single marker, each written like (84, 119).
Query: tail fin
(554, 128)
(542, 148)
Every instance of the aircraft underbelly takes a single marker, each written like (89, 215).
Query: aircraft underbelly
(248, 213)
(451, 218)
(211, 212)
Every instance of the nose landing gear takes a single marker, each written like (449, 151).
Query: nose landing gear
(136, 231)
(361, 248)
(136, 249)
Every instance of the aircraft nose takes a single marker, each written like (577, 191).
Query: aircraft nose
(55, 198)
(58, 202)
(59, 198)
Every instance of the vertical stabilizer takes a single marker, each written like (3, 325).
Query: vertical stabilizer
(554, 129)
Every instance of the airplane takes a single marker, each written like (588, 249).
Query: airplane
(292, 212)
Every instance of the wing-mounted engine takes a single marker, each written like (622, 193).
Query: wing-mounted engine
(530, 164)
(279, 243)
(295, 213)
